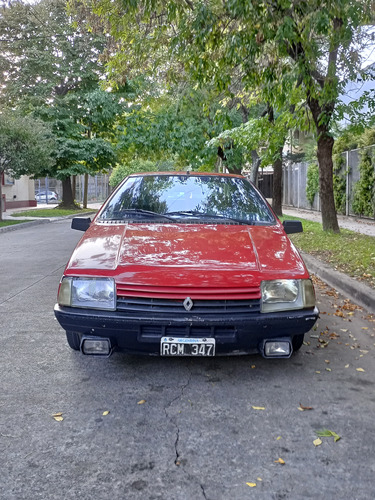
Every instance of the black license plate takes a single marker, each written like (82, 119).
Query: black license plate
(177, 346)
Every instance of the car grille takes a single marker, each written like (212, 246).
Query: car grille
(176, 308)
(151, 332)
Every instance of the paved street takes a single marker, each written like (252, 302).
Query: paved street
(176, 428)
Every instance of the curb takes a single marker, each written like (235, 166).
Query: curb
(23, 225)
(360, 293)
(37, 222)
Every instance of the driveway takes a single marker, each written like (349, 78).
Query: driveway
(152, 428)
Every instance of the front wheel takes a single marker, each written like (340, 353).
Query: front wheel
(297, 342)
(74, 340)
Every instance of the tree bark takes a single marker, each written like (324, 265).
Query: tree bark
(324, 153)
(74, 183)
(232, 169)
(85, 189)
(277, 188)
(254, 167)
(67, 196)
(1, 195)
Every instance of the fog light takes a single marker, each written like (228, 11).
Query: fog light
(277, 349)
(96, 347)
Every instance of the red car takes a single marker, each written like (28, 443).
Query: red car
(186, 264)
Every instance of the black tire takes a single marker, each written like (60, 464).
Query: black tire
(74, 340)
(297, 342)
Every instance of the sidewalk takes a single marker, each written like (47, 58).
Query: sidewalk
(363, 226)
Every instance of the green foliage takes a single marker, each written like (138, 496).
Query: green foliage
(339, 183)
(353, 138)
(25, 145)
(178, 124)
(59, 81)
(364, 189)
(273, 48)
(135, 166)
(312, 185)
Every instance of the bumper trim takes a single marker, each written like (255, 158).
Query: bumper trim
(238, 333)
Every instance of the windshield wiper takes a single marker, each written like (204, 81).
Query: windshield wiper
(196, 213)
(139, 212)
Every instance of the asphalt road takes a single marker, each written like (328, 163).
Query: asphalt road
(176, 428)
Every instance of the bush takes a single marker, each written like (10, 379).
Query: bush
(339, 183)
(312, 185)
(364, 190)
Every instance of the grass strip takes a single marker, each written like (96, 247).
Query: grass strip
(50, 212)
(7, 222)
(349, 252)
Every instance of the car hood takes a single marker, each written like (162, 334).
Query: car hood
(190, 254)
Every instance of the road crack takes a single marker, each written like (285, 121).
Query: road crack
(173, 420)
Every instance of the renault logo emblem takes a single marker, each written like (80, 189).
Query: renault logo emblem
(188, 303)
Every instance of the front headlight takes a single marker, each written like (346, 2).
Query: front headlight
(92, 293)
(283, 295)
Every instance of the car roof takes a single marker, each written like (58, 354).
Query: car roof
(184, 173)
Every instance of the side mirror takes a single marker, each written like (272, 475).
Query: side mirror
(292, 226)
(81, 223)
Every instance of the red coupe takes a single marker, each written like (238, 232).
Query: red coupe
(186, 264)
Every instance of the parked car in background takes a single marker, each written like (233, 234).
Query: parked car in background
(46, 196)
(186, 264)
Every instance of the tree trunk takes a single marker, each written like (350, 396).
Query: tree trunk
(1, 196)
(232, 169)
(85, 189)
(324, 153)
(67, 194)
(74, 184)
(277, 189)
(254, 167)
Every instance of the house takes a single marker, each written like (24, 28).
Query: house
(17, 193)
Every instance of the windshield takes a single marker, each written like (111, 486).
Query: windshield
(188, 196)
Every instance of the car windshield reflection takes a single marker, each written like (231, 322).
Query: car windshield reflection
(187, 197)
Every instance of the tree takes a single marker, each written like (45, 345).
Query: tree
(25, 146)
(51, 68)
(277, 44)
(177, 125)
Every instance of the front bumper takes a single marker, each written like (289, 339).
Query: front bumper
(142, 334)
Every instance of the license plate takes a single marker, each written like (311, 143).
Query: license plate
(175, 346)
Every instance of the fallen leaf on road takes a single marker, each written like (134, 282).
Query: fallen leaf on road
(328, 369)
(317, 442)
(58, 416)
(346, 366)
(278, 438)
(303, 408)
(328, 433)
(360, 369)
(105, 413)
(252, 485)
(141, 402)
(280, 461)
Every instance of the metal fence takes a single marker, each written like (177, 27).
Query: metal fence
(97, 191)
(295, 181)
